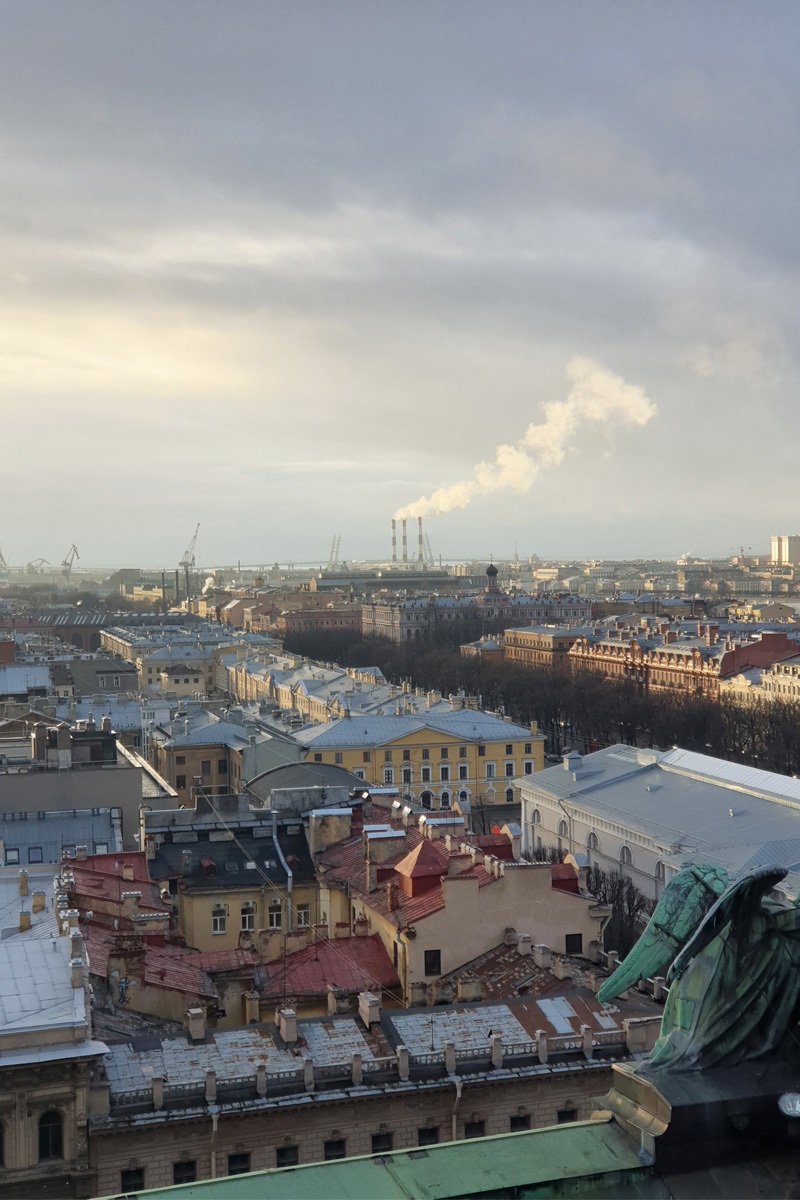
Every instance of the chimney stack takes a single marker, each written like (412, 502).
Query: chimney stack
(420, 552)
(394, 541)
(405, 542)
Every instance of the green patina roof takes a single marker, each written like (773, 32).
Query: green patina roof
(471, 1168)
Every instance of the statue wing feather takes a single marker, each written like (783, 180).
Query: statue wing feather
(742, 898)
(678, 914)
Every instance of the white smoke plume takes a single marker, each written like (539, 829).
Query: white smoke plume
(597, 396)
(210, 581)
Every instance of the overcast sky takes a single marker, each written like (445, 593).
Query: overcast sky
(283, 267)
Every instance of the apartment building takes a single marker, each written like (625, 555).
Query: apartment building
(543, 646)
(435, 757)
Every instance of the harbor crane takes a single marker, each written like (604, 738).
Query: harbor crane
(187, 562)
(69, 559)
(36, 565)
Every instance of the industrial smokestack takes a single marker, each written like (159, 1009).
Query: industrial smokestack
(394, 541)
(405, 542)
(420, 553)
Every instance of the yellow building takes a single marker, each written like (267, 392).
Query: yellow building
(236, 880)
(435, 759)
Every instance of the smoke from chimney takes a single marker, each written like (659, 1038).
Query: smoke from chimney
(596, 396)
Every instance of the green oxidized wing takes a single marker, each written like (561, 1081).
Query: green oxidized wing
(682, 907)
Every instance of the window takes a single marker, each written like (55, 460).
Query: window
(445, 773)
(463, 771)
(570, 1113)
(661, 873)
(131, 1180)
(528, 747)
(592, 842)
(462, 751)
(222, 766)
(381, 1143)
(12, 856)
(388, 775)
(219, 918)
(519, 1122)
(334, 1148)
(303, 916)
(509, 748)
(205, 765)
(337, 757)
(426, 753)
(426, 799)
(474, 1129)
(184, 1171)
(248, 915)
(407, 774)
(536, 817)
(509, 770)
(180, 760)
(406, 756)
(34, 854)
(287, 1156)
(317, 758)
(238, 1164)
(481, 752)
(428, 1135)
(116, 681)
(366, 756)
(180, 782)
(625, 857)
(463, 796)
(101, 847)
(358, 773)
(490, 770)
(387, 756)
(444, 800)
(274, 917)
(444, 752)
(433, 962)
(573, 943)
(509, 795)
(426, 774)
(51, 1135)
(527, 767)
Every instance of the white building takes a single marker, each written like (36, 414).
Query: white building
(645, 813)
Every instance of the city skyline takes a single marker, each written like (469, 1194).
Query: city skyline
(290, 271)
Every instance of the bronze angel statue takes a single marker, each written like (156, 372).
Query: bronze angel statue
(735, 973)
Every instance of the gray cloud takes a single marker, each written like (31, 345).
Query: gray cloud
(271, 240)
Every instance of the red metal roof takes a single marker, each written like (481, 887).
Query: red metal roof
(352, 964)
(564, 877)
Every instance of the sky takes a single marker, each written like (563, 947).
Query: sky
(283, 268)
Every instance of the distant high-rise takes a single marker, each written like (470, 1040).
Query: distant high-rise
(785, 549)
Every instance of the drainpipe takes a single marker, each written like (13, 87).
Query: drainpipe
(459, 1084)
(214, 1128)
(287, 869)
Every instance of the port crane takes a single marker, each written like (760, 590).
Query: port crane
(187, 562)
(69, 559)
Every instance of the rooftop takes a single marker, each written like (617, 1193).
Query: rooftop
(351, 964)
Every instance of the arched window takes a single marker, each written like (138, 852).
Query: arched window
(444, 800)
(661, 872)
(426, 799)
(593, 842)
(563, 834)
(51, 1135)
(536, 817)
(509, 795)
(625, 857)
(463, 796)
(248, 916)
